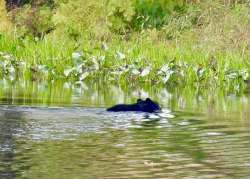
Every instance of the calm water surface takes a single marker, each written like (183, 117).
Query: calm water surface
(62, 130)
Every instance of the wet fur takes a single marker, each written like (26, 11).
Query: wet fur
(145, 106)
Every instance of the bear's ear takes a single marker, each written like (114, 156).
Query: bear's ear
(139, 100)
(148, 100)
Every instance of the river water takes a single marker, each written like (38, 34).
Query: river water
(60, 130)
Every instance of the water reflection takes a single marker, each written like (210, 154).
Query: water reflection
(11, 125)
(95, 94)
(42, 123)
(57, 129)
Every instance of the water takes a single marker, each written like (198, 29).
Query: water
(63, 131)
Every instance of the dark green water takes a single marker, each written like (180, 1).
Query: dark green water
(59, 130)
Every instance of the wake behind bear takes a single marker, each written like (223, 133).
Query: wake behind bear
(141, 105)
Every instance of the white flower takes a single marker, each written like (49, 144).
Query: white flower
(23, 63)
(135, 72)
(102, 58)
(67, 71)
(120, 56)
(83, 76)
(146, 71)
(7, 56)
(41, 67)
(76, 55)
(165, 68)
(166, 78)
(244, 73)
(79, 68)
(104, 47)
(232, 75)
(12, 69)
(96, 64)
(237, 87)
(116, 72)
(12, 77)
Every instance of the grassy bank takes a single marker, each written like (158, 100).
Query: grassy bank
(204, 44)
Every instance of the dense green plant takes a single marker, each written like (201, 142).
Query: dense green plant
(205, 43)
(4, 22)
(12, 4)
(154, 14)
(94, 18)
(35, 21)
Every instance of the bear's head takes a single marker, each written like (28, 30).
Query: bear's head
(148, 105)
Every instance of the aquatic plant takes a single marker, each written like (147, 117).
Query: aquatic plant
(173, 51)
(102, 64)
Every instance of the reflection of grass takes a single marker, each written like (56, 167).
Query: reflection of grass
(98, 94)
(33, 93)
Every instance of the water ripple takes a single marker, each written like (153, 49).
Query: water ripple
(92, 143)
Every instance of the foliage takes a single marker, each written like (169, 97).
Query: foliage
(177, 43)
(12, 4)
(96, 18)
(35, 21)
(5, 24)
(154, 14)
(43, 60)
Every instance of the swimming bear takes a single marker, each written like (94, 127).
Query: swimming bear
(144, 106)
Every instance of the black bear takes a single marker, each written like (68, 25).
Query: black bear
(145, 106)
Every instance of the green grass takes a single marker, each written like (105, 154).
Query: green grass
(143, 63)
(200, 44)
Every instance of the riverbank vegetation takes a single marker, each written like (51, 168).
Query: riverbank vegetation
(196, 43)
